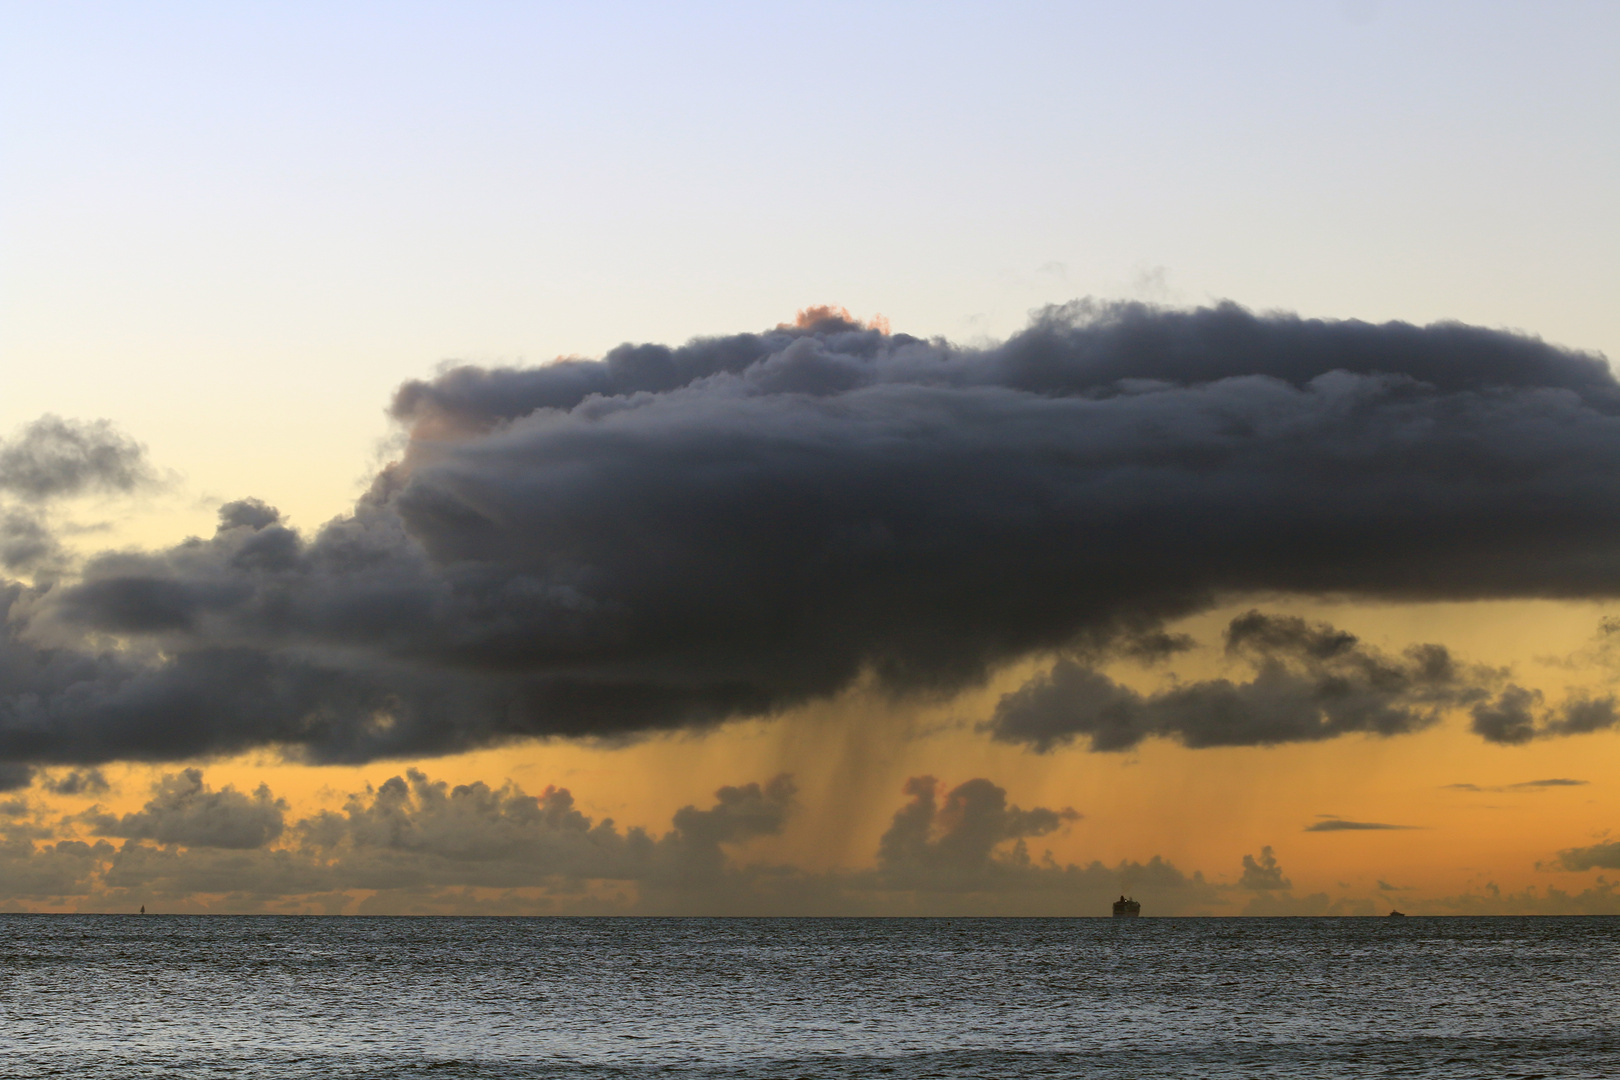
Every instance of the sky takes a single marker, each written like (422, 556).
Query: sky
(749, 459)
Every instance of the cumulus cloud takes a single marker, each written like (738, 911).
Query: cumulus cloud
(1601, 898)
(1517, 716)
(1263, 874)
(185, 810)
(413, 830)
(27, 540)
(414, 844)
(54, 458)
(63, 868)
(1311, 682)
(76, 782)
(418, 844)
(953, 843)
(1604, 856)
(674, 536)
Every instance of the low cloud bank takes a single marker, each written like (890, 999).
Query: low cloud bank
(417, 844)
(669, 537)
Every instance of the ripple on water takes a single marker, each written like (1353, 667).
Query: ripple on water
(271, 997)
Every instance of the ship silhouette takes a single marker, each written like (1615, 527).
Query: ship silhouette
(1126, 909)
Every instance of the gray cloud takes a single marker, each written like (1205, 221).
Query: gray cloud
(1263, 874)
(1517, 716)
(414, 844)
(27, 541)
(55, 870)
(1600, 899)
(953, 844)
(417, 844)
(52, 458)
(1311, 682)
(184, 810)
(76, 782)
(1605, 856)
(1524, 785)
(1341, 825)
(671, 537)
(413, 830)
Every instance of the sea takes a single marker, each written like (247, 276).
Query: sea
(270, 996)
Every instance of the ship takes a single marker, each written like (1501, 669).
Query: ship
(1126, 909)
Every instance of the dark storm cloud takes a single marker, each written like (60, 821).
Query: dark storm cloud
(1311, 682)
(14, 776)
(671, 537)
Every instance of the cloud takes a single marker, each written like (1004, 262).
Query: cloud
(76, 782)
(1524, 785)
(65, 868)
(1341, 825)
(54, 458)
(413, 834)
(1311, 682)
(1600, 899)
(1263, 874)
(953, 844)
(184, 810)
(1605, 856)
(673, 537)
(26, 540)
(1516, 716)
(415, 844)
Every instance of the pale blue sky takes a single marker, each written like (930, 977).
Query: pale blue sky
(233, 228)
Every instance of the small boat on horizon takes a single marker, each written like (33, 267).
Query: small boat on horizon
(1126, 909)
(1396, 915)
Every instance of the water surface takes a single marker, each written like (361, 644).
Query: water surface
(266, 996)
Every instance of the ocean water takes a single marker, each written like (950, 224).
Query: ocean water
(251, 997)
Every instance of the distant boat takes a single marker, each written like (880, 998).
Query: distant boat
(1126, 909)
(1397, 915)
